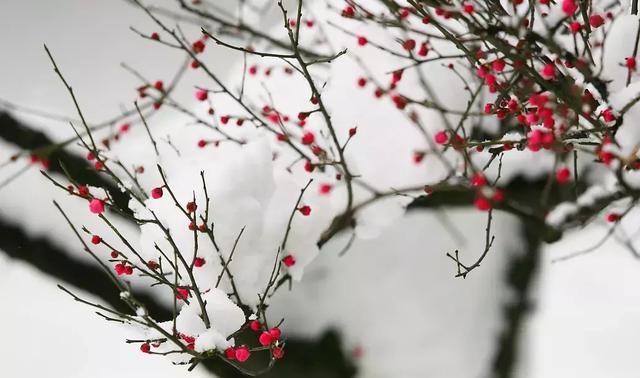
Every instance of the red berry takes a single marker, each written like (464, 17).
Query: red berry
(275, 333)
(145, 348)
(155, 36)
(305, 210)
(596, 20)
(202, 95)
(482, 204)
(83, 191)
(630, 63)
(198, 262)
(478, 180)
(242, 353)
(96, 206)
(498, 65)
(308, 166)
(348, 11)
(289, 261)
(265, 339)
(563, 175)
(608, 115)
(255, 325)
(569, 7)
(362, 41)
(191, 207)
(613, 217)
(490, 79)
(230, 353)
(95, 239)
(308, 138)
(182, 293)
(424, 50)
(198, 46)
(409, 44)
(548, 71)
(156, 193)
(575, 27)
(277, 353)
(120, 269)
(441, 137)
(159, 85)
(468, 8)
(325, 188)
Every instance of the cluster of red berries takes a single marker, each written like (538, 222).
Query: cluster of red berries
(123, 269)
(268, 337)
(146, 346)
(253, 70)
(486, 197)
(189, 340)
(44, 163)
(201, 227)
(158, 86)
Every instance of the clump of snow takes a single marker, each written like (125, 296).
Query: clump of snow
(592, 195)
(252, 200)
(561, 213)
(564, 211)
(225, 317)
